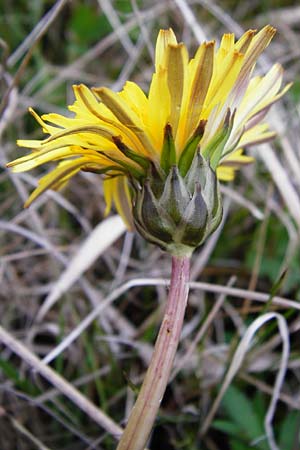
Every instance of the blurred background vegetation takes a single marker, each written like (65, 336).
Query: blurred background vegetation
(46, 47)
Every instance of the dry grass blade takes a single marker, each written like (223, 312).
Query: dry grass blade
(114, 20)
(191, 20)
(36, 34)
(11, 105)
(104, 235)
(242, 201)
(223, 290)
(23, 431)
(104, 44)
(245, 293)
(236, 363)
(282, 181)
(60, 383)
(88, 320)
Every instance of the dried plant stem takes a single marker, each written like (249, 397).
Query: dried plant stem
(146, 407)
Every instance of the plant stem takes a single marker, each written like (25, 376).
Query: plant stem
(147, 404)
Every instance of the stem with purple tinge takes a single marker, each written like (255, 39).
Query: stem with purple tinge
(145, 410)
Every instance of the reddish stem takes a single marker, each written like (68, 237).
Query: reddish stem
(147, 404)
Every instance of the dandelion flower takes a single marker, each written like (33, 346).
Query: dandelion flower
(161, 154)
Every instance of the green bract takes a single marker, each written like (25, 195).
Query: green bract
(178, 212)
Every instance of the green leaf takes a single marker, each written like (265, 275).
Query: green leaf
(240, 409)
(295, 91)
(124, 6)
(229, 428)
(13, 374)
(289, 431)
(88, 25)
(238, 445)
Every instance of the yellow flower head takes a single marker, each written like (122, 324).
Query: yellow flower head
(208, 103)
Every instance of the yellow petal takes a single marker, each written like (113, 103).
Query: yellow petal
(228, 166)
(28, 162)
(226, 44)
(177, 58)
(45, 155)
(259, 92)
(64, 122)
(126, 116)
(201, 74)
(116, 191)
(164, 39)
(101, 131)
(96, 112)
(54, 178)
(256, 47)
(133, 95)
(45, 127)
(223, 80)
(257, 135)
(29, 143)
(237, 158)
(87, 102)
(244, 42)
(159, 108)
(225, 173)
(120, 109)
